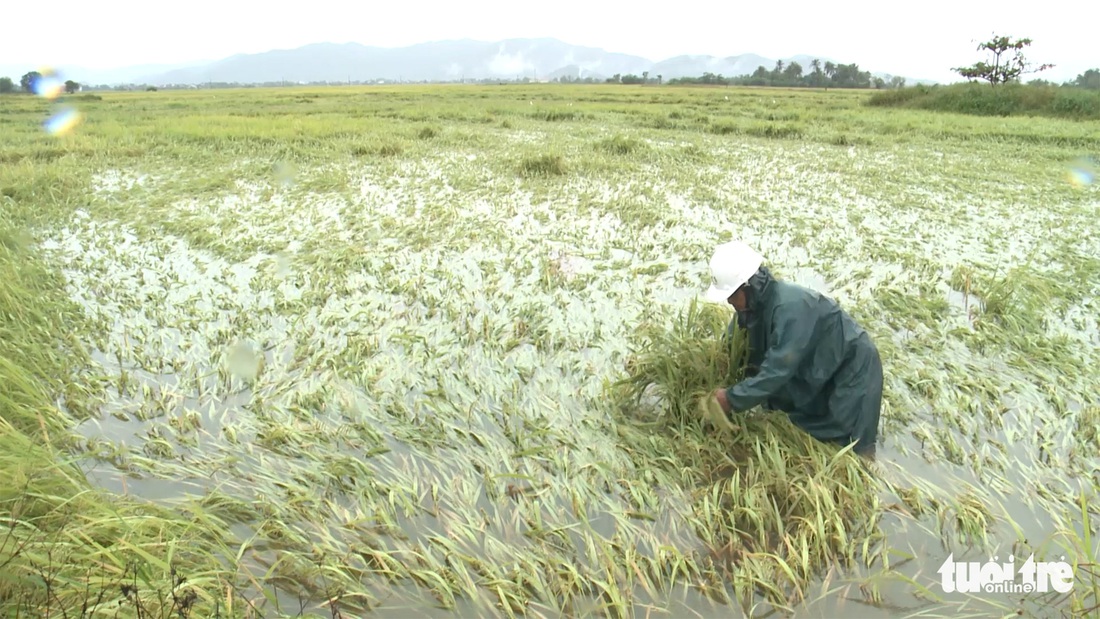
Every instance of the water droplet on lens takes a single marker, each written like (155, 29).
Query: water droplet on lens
(48, 84)
(1083, 171)
(63, 122)
(285, 173)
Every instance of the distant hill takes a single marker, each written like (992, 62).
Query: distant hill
(438, 61)
(435, 62)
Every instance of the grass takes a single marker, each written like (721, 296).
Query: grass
(1003, 100)
(306, 351)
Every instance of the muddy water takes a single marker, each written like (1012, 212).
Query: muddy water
(347, 366)
(402, 463)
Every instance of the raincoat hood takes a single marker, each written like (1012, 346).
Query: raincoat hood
(757, 291)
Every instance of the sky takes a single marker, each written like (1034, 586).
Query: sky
(921, 40)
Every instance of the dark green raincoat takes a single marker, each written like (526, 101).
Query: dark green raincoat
(809, 359)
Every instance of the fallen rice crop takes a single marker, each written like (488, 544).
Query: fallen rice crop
(365, 351)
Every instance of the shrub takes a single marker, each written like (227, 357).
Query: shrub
(1004, 100)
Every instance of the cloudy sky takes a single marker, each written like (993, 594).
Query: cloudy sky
(918, 39)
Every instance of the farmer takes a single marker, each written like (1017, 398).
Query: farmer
(807, 357)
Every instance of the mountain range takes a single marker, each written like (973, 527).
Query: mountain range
(437, 61)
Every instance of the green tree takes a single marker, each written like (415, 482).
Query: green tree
(761, 77)
(793, 73)
(897, 82)
(71, 86)
(817, 77)
(849, 76)
(6, 85)
(28, 81)
(830, 74)
(1089, 79)
(1003, 69)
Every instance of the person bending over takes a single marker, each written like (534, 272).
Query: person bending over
(807, 356)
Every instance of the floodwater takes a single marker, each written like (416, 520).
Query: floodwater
(897, 456)
(423, 386)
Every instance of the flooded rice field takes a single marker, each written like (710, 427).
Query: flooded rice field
(394, 377)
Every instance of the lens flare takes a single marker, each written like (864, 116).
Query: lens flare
(63, 122)
(1083, 171)
(48, 84)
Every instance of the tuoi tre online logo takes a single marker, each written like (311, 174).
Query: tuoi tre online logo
(992, 577)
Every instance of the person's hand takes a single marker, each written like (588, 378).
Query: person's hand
(723, 401)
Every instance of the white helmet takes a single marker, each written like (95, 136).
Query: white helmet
(731, 266)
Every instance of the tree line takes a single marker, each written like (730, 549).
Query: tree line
(29, 81)
(793, 75)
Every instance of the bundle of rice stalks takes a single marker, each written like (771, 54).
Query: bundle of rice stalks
(681, 365)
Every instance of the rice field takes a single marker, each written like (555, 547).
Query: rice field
(434, 352)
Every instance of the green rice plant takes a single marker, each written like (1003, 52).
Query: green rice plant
(428, 132)
(557, 115)
(620, 145)
(682, 365)
(1077, 539)
(781, 116)
(841, 139)
(724, 127)
(34, 353)
(545, 165)
(64, 544)
(380, 148)
(778, 131)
